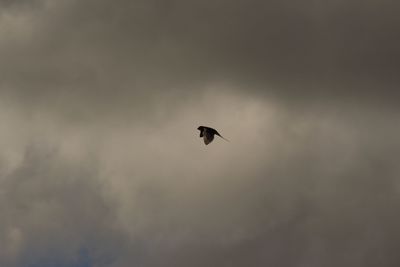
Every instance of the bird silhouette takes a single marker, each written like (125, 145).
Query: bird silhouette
(208, 134)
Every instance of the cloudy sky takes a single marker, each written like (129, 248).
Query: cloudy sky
(101, 163)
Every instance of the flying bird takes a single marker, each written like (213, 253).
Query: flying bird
(208, 134)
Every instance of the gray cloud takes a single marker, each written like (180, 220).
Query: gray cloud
(52, 209)
(320, 50)
(99, 152)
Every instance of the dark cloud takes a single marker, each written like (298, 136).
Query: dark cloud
(99, 153)
(332, 49)
(18, 3)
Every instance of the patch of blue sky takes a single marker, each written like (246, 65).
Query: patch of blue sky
(83, 260)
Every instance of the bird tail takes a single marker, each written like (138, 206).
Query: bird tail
(223, 138)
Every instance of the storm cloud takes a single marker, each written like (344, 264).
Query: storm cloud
(100, 159)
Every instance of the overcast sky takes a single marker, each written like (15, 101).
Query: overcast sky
(101, 163)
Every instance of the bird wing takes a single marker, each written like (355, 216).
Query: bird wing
(208, 137)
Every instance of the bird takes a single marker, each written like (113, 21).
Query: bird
(208, 134)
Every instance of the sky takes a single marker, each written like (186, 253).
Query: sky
(101, 163)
